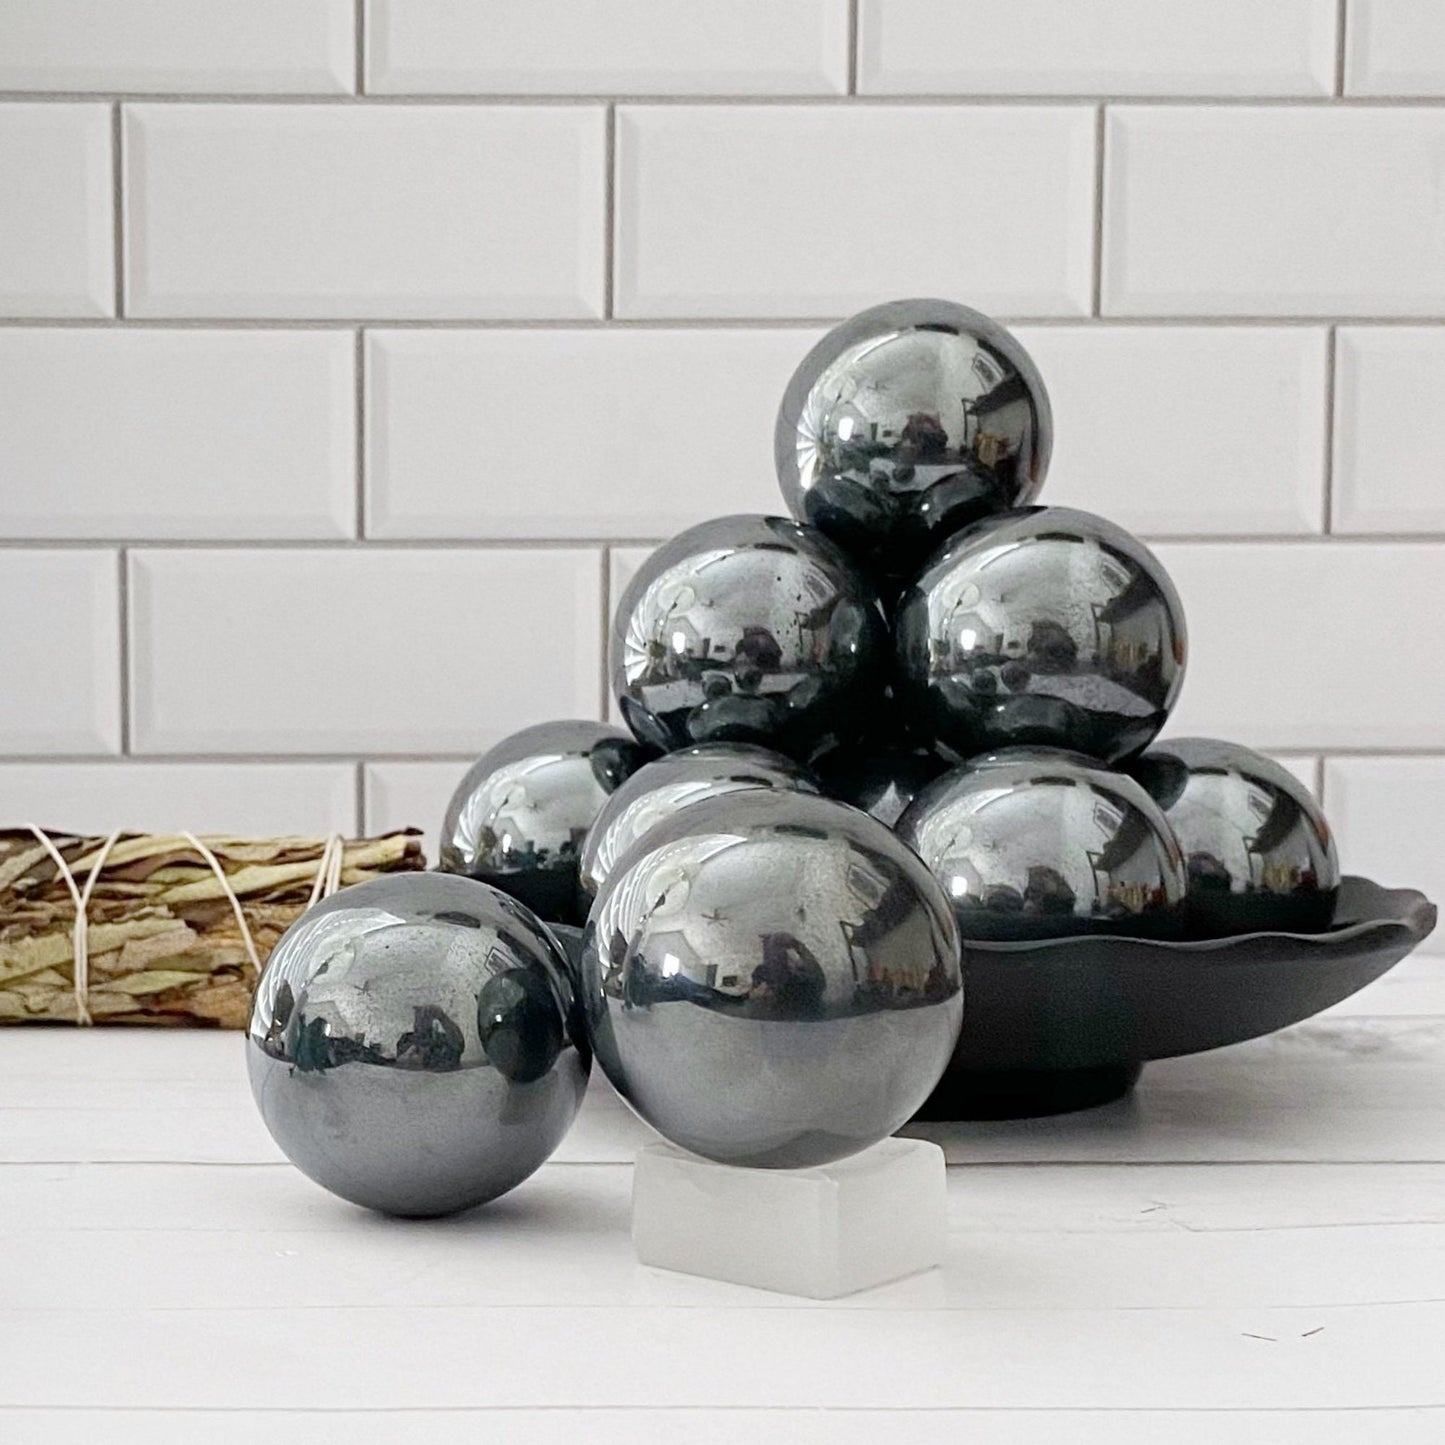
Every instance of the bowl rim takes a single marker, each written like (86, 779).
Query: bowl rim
(1390, 908)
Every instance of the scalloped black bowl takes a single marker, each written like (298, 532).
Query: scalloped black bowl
(1067, 1023)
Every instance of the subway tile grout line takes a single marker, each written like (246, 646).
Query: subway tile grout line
(358, 78)
(117, 183)
(452, 543)
(683, 323)
(604, 689)
(1342, 22)
(1096, 280)
(898, 100)
(349, 758)
(853, 47)
(1327, 519)
(609, 214)
(123, 660)
(360, 431)
(361, 801)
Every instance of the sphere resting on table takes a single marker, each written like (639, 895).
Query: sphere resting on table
(748, 629)
(906, 423)
(772, 980)
(1048, 845)
(1046, 626)
(415, 1044)
(519, 817)
(1259, 853)
(675, 781)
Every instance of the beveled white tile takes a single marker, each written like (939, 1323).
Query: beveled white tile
(815, 211)
(265, 799)
(138, 433)
(351, 650)
(1386, 814)
(597, 433)
(57, 226)
(1389, 429)
(1395, 47)
(352, 211)
(59, 651)
(1312, 646)
(1104, 47)
(1187, 429)
(411, 795)
(252, 46)
(630, 47)
(1274, 211)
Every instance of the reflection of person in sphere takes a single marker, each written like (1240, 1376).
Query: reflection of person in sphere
(789, 975)
(1051, 648)
(1048, 891)
(433, 1042)
(757, 653)
(923, 438)
(1206, 872)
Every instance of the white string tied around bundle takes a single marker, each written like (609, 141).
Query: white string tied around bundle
(328, 880)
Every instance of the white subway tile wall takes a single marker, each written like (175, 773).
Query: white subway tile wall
(57, 235)
(353, 352)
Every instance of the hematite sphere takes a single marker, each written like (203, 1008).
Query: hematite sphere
(1047, 626)
(772, 980)
(1048, 846)
(663, 788)
(882, 781)
(1258, 851)
(748, 629)
(519, 817)
(414, 1045)
(907, 422)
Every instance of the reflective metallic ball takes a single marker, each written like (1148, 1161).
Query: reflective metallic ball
(1048, 846)
(882, 781)
(414, 1044)
(748, 629)
(908, 422)
(1259, 853)
(519, 817)
(1047, 626)
(772, 980)
(676, 781)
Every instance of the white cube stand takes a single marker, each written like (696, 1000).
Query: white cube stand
(818, 1232)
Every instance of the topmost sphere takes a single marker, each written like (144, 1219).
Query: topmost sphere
(906, 423)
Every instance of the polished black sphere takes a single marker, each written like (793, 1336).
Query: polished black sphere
(415, 1044)
(1259, 853)
(519, 817)
(748, 629)
(907, 422)
(881, 780)
(772, 980)
(675, 781)
(1048, 845)
(1045, 625)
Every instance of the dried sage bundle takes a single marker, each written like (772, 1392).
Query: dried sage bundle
(163, 942)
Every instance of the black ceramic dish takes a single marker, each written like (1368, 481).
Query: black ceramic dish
(1068, 1023)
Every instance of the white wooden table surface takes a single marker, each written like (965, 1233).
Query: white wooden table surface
(1252, 1249)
